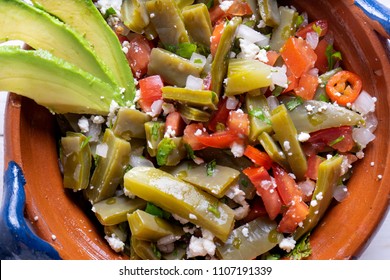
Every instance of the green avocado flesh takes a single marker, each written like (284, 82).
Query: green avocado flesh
(19, 21)
(83, 16)
(54, 83)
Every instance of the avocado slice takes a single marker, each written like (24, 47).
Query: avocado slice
(54, 82)
(20, 21)
(84, 17)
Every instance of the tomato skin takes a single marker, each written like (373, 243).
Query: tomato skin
(313, 163)
(237, 8)
(258, 157)
(138, 55)
(271, 199)
(221, 139)
(307, 86)
(298, 56)
(216, 37)
(322, 61)
(219, 116)
(272, 56)
(175, 122)
(321, 23)
(286, 186)
(150, 91)
(344, 87)
(191, 139)
(326, 137)
(238, 122)
(294, 215)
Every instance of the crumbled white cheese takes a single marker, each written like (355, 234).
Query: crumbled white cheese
(380, 177)
(198, 132)
(83, 124)
(319, 196)
(169, 132)
(104, 5)
(303, 136)
(36, 218)
(287, 244)
(115, 243)
(249, 50)
(180, 219)
(53, 237)
(237, 149)
(225, 5)
(128, 193)
(97, 119)
(201, 246)
(192, 216)
(313, 203)
(286, 145)
(102, 149)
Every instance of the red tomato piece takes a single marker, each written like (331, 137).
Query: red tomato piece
(216, 37)
(313, 163)
(322, 61)
(298, 56)
(238, 122)
(257, 209)
(286, 186)
(294, 215)
(258, 157)
(239, 8)
(320, 26)
(150, 91)
(221, 139)
(339, 138)
(138, 55)
(175, 122)
(272, 56)
(262, 181)
(220, 116)
(307, 86)
(191, 133)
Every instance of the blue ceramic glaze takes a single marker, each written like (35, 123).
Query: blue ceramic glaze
(376, 11)
(17, 241)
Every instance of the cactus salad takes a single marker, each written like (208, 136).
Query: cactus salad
(200, 129)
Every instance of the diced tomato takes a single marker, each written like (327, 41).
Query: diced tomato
(138, 55)
(322, 61)
(150, 91)
(216, 37)
(272, 56)
(220, 116)
(258, 157)
(221, 139)
(237, 8)
(265, 188)
(320, 26)
(339, 138)
(307, 86)
(294, 215)
(292, 82)
(286, 186)
(175, 122)
(190, 135)
(238, 122)
(298, 56)
(313, 163)
(257, 209)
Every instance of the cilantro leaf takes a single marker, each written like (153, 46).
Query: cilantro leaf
(302, 249)
(164, 149)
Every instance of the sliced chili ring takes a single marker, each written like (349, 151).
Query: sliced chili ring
(344, 87)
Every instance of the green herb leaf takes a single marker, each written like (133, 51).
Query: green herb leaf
(156, 211)
(164, 149)
(277, 91)
(294, 103)
(210, 167)
(332, 56)
(155, 250)
(109, 12)
(156, 131)
(85, 142)
(337, 140)
(258, 113)
(302, 249)
(323, 97)
(299, 20)
(190, 151)
(317, 29)
(183, 49)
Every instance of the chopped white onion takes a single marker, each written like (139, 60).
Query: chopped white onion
(94, 132)
(273, 102)
(312, 39)
(313, 72)
(362, 136)
(102, 149)
(198, 59)
(371, 122)
(231, 103)
(364, 104)
(194, 83)
(251, 35)
(307, 187)
(340, 193)
(156, 107)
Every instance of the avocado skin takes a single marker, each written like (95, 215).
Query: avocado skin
(84, 17)
(54, 83)
(19, 21)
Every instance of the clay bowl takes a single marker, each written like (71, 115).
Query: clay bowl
(66, 230)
